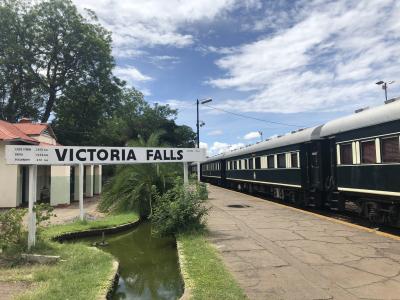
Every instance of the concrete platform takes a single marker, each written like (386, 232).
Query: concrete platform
(278, 252)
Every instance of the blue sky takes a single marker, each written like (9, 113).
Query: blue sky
(300, 63)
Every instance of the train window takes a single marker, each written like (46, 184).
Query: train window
(293, 157)
(390, 149)
(368, 152)
(245, 164)
(346, 154)
(258, 163)
(282, 160)
(250, 163)
(271, 163)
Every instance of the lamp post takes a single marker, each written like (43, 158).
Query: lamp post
(384, 86)
(204, 101)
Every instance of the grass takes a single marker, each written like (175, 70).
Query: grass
(206, 274)
(108, 221)
(82, 272)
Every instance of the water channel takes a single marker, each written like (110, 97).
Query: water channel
(149, 267)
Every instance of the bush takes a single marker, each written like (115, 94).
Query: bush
(202, 190)
(11, 227)
(44, 212)
(178, 210)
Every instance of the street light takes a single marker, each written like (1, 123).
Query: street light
(384, 86)
(201, 101)
(204, 101)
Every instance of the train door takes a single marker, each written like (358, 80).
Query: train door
(315, 165)
(223, 171)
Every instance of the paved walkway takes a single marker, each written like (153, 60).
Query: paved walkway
(276, 252)
(69, 213)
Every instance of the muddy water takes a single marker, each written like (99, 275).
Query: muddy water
(149, 266)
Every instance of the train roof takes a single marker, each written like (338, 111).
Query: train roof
(297, 137)
(369, 117)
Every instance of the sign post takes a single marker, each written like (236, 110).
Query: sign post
(198, 171)
(81, 156)
(81, 211)
(32, 200)
(185, 173)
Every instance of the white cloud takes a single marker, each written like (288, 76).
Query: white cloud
(127, 53)
(328, 59)
(215, 132)
(203, 145)
(219, 147)
(157, 22)
(131, 74)
(177, 104)
(251, 135)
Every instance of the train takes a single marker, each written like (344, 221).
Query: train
(350, 162)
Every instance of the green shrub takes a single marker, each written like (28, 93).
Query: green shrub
(11, 227)
(178, 210)
(202, 190)
(44, 212)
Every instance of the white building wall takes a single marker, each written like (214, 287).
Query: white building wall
(60, 185)
(9, 179)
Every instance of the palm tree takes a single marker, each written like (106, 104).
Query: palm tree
(133, 185)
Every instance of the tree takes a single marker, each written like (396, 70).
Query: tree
(19, 96)
(56, 63)
(50, 52)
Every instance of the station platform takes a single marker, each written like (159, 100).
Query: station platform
(280, 252)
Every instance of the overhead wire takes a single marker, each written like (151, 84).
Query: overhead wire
(254, 118)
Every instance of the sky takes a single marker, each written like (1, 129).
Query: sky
(270, 66)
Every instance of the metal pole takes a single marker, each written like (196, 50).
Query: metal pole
(197, 125)
(32, 200)
(81, 211)
(185, 173)
(198, 140)
(385, 88)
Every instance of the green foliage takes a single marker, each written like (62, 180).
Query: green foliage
(44, 212)
(55, 54)
(202, 190)
(132, 186)
(11, 227)
(180, 209)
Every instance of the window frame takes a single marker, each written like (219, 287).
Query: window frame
(363, 142)
(278, 155)
(350, 144)
(381, 148)
(297, 160)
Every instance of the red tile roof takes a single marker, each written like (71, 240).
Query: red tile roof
(31, 128)
(9, 132)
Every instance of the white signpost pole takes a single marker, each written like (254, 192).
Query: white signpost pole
(185, 173)
(32, 200)
(198, 171)
(81, 211)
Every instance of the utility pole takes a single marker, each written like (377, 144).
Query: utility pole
(198, 130)
(198, 125)
(384, 86)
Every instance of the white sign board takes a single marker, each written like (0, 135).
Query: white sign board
(59, 155)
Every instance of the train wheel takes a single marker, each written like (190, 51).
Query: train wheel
(393, 215)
